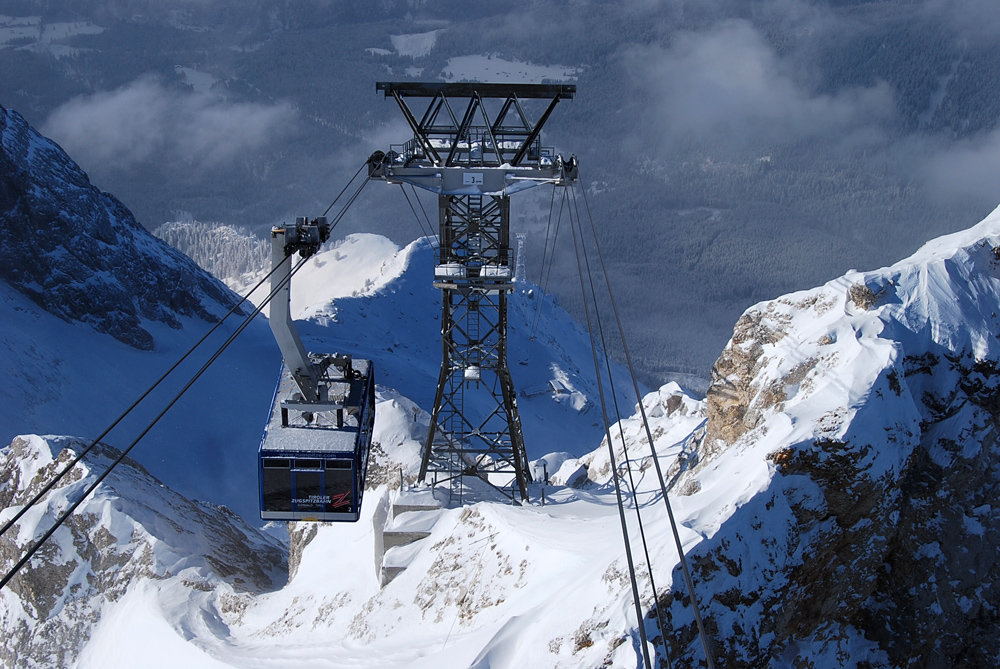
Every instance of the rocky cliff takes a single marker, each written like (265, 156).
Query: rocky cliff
(80, 254)
(859, 422)
(131, 534)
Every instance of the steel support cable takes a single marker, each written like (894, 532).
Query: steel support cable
(345, 189)
(41, 493)
(430, 226)
(555, 238)
(354, 196)
(544, 282)
(83, 453)
(689, 581)
(68, 512)
(541, 271)
(415, 215)
(621, 430)
(548, 230)
(614, 466)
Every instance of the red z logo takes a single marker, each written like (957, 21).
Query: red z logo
(340, 500)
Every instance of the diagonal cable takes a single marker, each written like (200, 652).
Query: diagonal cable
(689, 581)
(41, 493)
(621, 430)
(611, 453)
(544, 279)
(345, 188)
(420, 223)
(229, 341)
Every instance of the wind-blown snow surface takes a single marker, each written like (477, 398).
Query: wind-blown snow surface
(494, 584)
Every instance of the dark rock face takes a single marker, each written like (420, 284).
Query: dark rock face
(936, 604)
(79, 253)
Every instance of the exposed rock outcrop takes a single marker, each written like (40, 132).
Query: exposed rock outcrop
(131, 530)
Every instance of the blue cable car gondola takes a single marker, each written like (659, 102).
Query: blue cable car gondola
(313, 463)
(314, 455)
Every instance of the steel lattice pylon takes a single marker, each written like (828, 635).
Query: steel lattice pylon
(483, 435)
(474, 160)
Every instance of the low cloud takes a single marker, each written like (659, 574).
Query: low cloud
(970, 168)
(729, 84)
(146, 121)
(972, 19)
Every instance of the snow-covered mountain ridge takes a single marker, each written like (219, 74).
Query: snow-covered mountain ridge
(133, 538)
(851, 435)
(80, 254)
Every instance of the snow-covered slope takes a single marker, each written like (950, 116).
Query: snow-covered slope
(366, 296)
(835, 493)
(388, 288)
(59, 377)
(494, 585)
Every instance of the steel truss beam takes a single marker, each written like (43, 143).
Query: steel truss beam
(476, 140)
